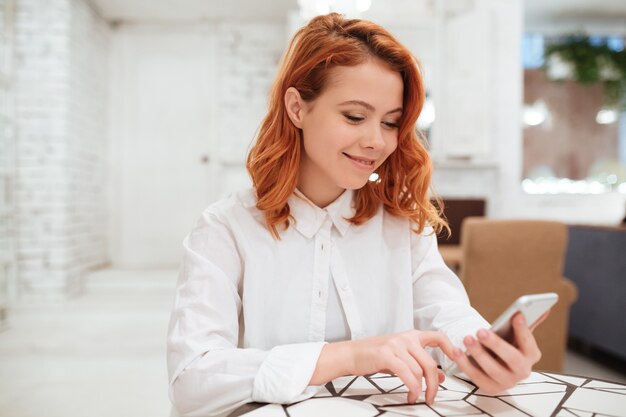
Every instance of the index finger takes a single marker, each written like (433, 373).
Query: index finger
(413, 384)
(539, 320)
(437, 339)
(523, 336)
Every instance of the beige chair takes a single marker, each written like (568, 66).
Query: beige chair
(503, 259)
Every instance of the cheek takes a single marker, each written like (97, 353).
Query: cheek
(392, 145)
(344, 135)
(337, 139)
(323, 136)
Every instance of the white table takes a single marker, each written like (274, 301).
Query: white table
(542, 394)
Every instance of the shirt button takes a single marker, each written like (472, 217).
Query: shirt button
(344, 287)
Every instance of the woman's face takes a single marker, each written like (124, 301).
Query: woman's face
(349, 130)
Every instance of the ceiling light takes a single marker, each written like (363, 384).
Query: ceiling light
(606, 116)
(350, 8)
(536, 113)
(363, 5)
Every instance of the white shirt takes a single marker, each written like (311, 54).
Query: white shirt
(252, 313)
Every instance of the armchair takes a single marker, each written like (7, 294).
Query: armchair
(504, 259)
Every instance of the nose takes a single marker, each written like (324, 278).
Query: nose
(373, 138)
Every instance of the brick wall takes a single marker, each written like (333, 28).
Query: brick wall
(248, 55)
(87, 140)
(234, 63)
(62, 51)
(60, 80)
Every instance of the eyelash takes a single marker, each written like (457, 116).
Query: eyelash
(358, 119)
(353, 118)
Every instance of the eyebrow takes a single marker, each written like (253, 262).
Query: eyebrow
(369, 106)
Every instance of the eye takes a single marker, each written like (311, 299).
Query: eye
(391, 125)
(354, 119)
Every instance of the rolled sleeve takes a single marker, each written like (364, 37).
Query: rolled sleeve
(285, 373)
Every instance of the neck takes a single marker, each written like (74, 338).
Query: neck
(318, 194)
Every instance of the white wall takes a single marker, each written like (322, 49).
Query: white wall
(60, 81)
(186, 101)
(87, 140)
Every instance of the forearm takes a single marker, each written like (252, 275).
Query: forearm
(216, 383)
(335, 360)
(220, 380)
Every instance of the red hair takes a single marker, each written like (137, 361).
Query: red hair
(274, 160)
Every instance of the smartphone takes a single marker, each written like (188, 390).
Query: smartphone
(532, 306)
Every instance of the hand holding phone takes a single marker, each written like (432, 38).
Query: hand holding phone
(532, 306)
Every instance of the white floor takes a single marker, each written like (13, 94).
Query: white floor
(102, 354)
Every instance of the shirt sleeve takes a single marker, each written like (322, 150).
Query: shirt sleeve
(439, 298)
(209, 374)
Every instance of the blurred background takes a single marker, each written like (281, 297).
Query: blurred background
(120, 120)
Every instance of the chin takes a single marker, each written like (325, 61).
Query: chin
(354, 185)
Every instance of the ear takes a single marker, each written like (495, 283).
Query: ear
(295, 106)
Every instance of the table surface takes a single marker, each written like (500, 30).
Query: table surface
(542, 394)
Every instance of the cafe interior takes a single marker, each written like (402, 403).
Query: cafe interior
(121, 120)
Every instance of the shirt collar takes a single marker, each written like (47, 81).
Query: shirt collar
(309, 217)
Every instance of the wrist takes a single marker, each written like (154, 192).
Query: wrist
(335, 360)
(346, 364)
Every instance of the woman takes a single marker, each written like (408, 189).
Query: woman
(318, 272)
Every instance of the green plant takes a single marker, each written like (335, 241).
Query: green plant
(593, 62)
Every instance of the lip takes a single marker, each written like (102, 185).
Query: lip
(361, 162)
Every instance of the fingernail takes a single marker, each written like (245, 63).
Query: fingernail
(521, 320)
(457, 353)
(483, 334)
(469, 341)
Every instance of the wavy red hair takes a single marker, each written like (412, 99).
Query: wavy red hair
(274, 160)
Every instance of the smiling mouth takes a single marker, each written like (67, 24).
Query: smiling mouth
(359, 160)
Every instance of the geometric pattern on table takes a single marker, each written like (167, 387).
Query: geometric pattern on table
(542, 395)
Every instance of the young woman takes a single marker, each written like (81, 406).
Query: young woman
(318, 272)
